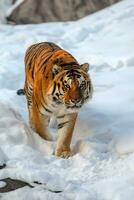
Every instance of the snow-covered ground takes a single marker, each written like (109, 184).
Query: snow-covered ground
(102, 167)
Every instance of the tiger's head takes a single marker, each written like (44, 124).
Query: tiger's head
(71, 86)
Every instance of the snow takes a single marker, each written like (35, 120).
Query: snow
(103, 143)
(2, 184)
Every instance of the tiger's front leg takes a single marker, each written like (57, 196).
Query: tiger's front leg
(65, 131)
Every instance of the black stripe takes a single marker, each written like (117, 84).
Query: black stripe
(30, 56)
(30, 89)
(29, 100)
(54, 88)
(61, 79)
(29, 64)
(32, 74)
(46, 109)
(39, 49)
(38, 107)
(45, 63)
(29, 103)
(51, 45)
(74, 71)
(73, 74)
(46, 56)
(41, 92)
(32, 53)
(62, 124)
(43, 100)
(59, 88)
(70, 64)
(29, 93)
(59, 117)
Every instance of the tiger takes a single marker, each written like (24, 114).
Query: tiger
(55, 85)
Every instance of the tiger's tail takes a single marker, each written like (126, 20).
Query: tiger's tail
(21, 92)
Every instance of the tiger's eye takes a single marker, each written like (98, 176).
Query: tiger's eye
(66, 85)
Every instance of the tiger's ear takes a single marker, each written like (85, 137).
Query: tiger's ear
(85, 67)
(56, 69)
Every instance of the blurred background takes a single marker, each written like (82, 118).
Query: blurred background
(38, 11)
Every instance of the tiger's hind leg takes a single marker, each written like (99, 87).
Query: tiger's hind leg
(39, 122)
(65, 131)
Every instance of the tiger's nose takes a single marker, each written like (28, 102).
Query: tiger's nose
(76, 100)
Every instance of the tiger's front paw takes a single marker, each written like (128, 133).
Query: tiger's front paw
(63, 153)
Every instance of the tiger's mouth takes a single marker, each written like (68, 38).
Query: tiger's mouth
(74, 107)
(80, 104)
